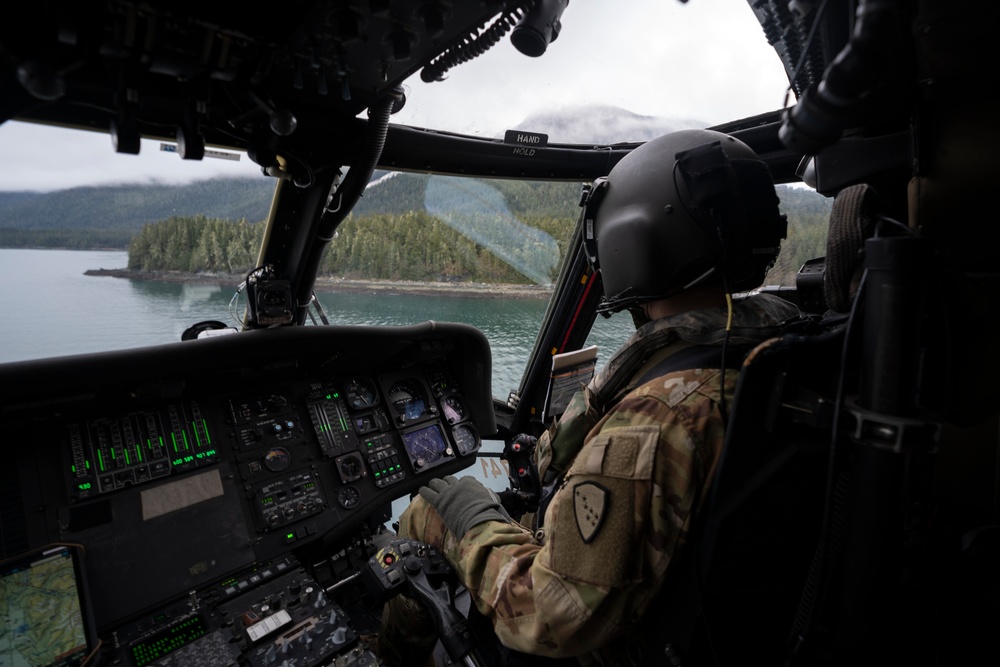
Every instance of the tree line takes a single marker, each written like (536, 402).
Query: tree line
(406, 227)
(196, 245)
(71, 239)
(408, 246)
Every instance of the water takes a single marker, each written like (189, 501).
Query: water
(50, 308)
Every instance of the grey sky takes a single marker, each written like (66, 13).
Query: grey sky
(714, 66)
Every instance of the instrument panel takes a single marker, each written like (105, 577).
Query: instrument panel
(178, 466)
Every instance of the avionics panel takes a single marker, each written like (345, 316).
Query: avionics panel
(111, 453)
(188, 462)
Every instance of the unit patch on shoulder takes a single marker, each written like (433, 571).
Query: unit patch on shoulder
(590, 503)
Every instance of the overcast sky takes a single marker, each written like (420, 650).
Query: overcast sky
(714, 65)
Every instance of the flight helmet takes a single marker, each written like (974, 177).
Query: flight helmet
(685, 209)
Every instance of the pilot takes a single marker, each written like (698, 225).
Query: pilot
(678, 226)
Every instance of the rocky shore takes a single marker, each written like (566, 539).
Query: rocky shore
(330, 284)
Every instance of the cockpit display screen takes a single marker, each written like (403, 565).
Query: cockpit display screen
(44, 621)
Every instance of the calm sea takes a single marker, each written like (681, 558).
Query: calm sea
(50, 308)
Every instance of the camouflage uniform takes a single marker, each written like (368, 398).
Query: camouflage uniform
(632, 475)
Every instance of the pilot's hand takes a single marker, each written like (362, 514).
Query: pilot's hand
(463, 503)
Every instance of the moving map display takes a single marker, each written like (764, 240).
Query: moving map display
(41, 615)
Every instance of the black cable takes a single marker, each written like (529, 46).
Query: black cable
(794, 77)
(475, 44)
(722, 365)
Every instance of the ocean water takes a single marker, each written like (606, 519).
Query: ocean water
(50, 308)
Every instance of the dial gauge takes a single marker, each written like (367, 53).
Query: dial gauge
(453, 408)
(350, 467)
(348, 497)
(277, 459)
(466, 438)
(407, 399)
(360, 393)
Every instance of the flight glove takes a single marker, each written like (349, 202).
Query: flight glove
(463, 503)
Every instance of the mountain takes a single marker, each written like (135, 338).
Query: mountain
(600, 124)
(129, 207)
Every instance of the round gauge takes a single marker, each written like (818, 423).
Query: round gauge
(277, 459)
(454, 409)
(407, 399)
(466, 438)
(360, 393)
(351, 467)
(425, 446)
(348, 497)
(441, 383)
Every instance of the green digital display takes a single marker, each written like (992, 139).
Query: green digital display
(168, 640)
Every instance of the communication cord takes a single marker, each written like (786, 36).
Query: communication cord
(475, 44)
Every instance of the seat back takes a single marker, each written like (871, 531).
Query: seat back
(735, 595)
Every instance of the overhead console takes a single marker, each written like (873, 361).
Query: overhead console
(201, 73)
(203, 465)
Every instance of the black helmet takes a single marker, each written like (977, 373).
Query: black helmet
(678, 211)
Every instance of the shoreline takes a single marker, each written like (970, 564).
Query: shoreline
(331, 284)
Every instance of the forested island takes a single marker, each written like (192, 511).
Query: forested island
(407, 227)
(410, 246)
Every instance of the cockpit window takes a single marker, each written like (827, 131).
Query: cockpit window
(418, 247)
(102, 251)
(596, 84)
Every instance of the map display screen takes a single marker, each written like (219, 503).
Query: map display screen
(41, 615)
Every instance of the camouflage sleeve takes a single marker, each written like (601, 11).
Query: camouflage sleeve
(571, 431)
(620, 514)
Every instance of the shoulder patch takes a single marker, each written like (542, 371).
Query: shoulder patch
(590, 502)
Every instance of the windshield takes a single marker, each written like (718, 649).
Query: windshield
(103, 251)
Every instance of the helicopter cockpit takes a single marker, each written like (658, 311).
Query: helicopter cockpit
(219, 500)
